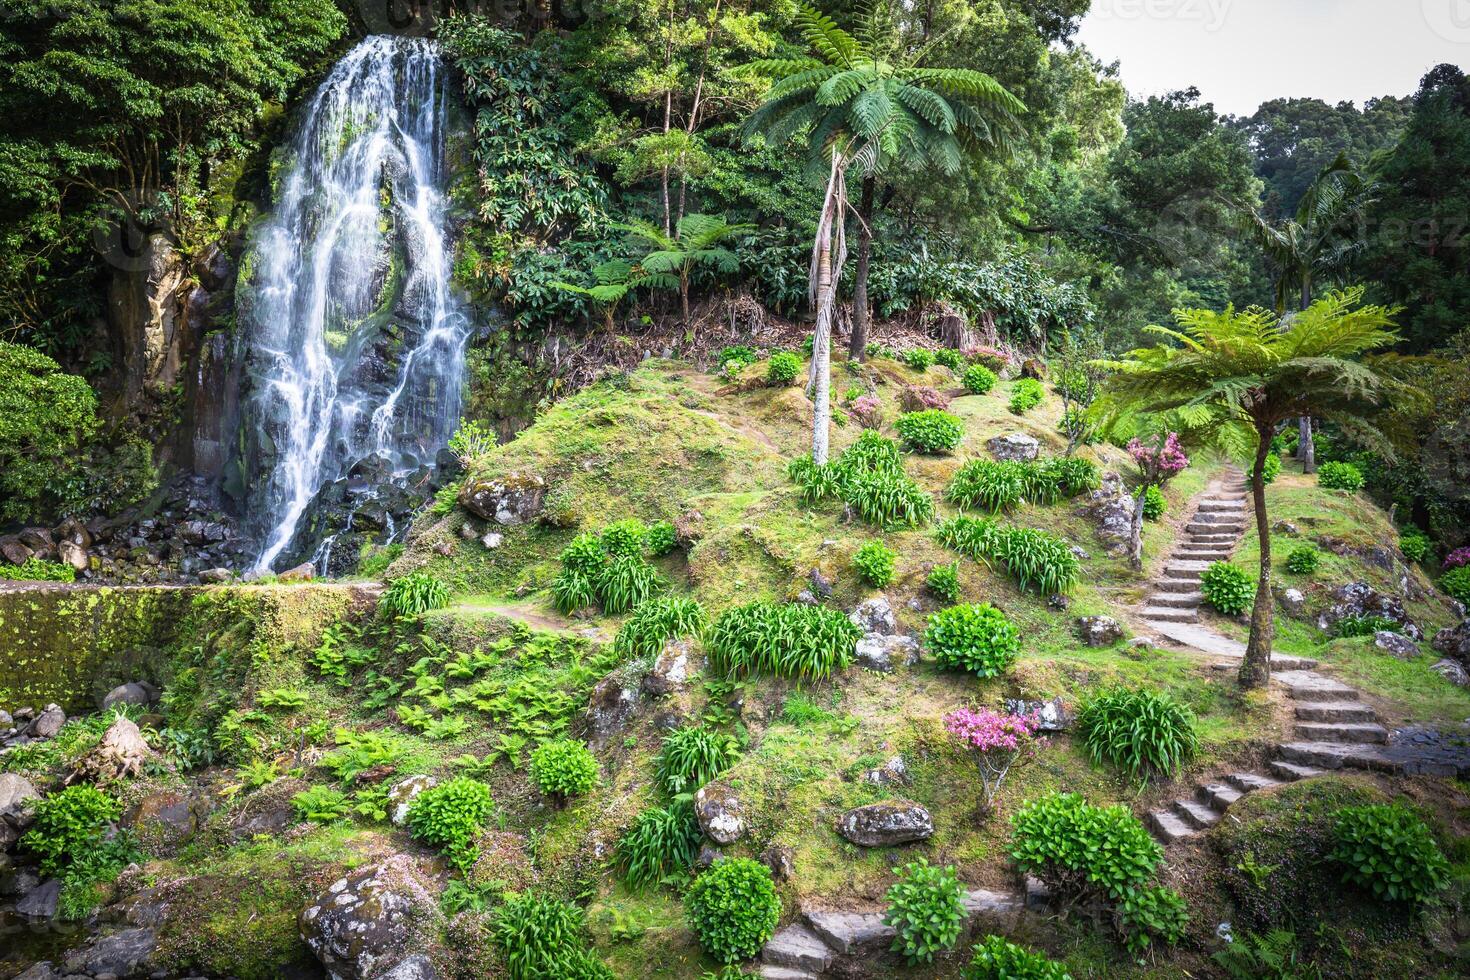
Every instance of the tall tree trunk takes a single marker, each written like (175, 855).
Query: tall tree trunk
(829, 252)
(1255, 670)
(1135, 529)
(1306, 447)
(861, 313)
(684, 299)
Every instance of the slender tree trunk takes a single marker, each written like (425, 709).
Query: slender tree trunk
(684, 298)
(821, 361)
(1306, 448)
(1135, 530)
(1255, 670)
(861, 313)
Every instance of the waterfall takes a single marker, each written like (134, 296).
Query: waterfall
(355, 340)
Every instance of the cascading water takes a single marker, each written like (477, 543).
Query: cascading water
(356, 341)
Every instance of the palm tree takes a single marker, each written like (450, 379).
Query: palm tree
(697, 242)
(1236, 375)
(612, 282)
(1317, 242)
(862, 101)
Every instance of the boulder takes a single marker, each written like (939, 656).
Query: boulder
(13, 551)
(781, 860)
(402, 794)
(371, 922)
(886, 824)
(1451, 671)
(1051, 716)
(515, 498)
(1033, 368)
(48, 722)
(74, 555)
(216, 576)
(167, 819)
(119, 954)
(1111, 511)
(1396, 643)
(38, 539)
(304, 572)
(1454, 642)
(134, 692)
(16, 791)
(610, 706)
(892, 773)
(875, 615)
(672, 670)
(1293, 602)
(1016, 446)
(121, 753)
(1361, 599)
(720, 813)
(1099, 631)
(40, 902)
(885, 653)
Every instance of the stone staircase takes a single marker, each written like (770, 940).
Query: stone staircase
(1211, 535)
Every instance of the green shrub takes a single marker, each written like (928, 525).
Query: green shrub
(67, 824)
(1391, 852)
(875, 563)
(1366, 625)
(1303, 560)
(1154, 504)
(1340, 476)
(1150, 915)
(585, 554)
(563, 768)
(733, 909)
(626, 581)
(1272, 469)
(660, 538)
(321, 804)
(46, 419)
(1026, 394)
(38, 570)
(978, 379)
(969, 536)
(1415, 545)
(944, 581)
(919, 358)
(450, 815)
(932, 431)
(692, 756)
(889, 501)
(663, 841)
(924, 907)
(1079, 850)
(998, 959)
(869, 477)
(950, 358)
(994, 485)
(572, 590)
(1272, 956)
(806, 643)
(1142, 732)
(414, 594)
(1072, 475)
(657, 621)
(82, 890)
(623, 539)
(1456, 584)
(1036, 557)
(542, 937)
(1228, 589)
(977, 638)
(782, 369)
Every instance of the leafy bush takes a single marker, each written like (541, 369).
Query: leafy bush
(623, 539)
(1303, 560)
(977, 637)
(542, 937)
(944, 581)
(924, 907)
(563, 768)
(626, 581)
(693, 756)
(320, 804)
(660, 538)
(38, 570)
(67, 824)
(1415, 545)
(1153, 503)
(572, 590)
(978, 379)
(931, 431)
(585, 554)
(1388, 850)
(662, 841)
(1142, 732)
(994, 485)
(657, 621)
(792, 640)
(782, 369)
(1150, 915)
(950, 358)
(450, 815)
(1366, 625)
(999, 959)
(47, 417)
(414, 594)
(1340, 476)
(1026, 394)
(875, 562)
(733, 909)
(1272, 469)
(1455, 583)
(919, 358)
(1078, 849)
(1227, 588)
(1072, 475)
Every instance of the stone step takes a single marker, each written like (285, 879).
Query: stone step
(1337, 755)
(1249, 782)
(1218, 795)
(1304, 685)
(1233, 505)
(1333, 731)
(1195, 814)
(1226, 539)
(1176, 600)
(1207, 548)
(1279, 662)
(1215, 527)
(769, 972)
(1290, 772)
(1220, 518)
(1163, 614)
(1192, 554)
(1176, 585)
(798, 948)
(1183, 569)
(1334, 711)
(1168, 827)
(848, 932)
(978, 901)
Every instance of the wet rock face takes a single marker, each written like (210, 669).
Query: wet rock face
(516, 498)
(886, 824)
(372, 923)
(1110, 509)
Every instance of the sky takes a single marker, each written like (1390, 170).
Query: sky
(1240, 53)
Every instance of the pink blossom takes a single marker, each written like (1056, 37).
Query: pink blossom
(1457, 558)
(868, 410)
(1000, 742)
(1160, 464)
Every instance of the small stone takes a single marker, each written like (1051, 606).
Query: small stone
(875, 616)
(6, 722)
(821, 587)
(134, 692)
(1286, 528)
(707, 856)
(1016, 446)
(781, 860)
(806, 598)
(216, 576)
(1140, 644)
(1058, 602)
(672, 669)
(48, 722)
(892, 772)
(1100, 631)
(304, 572)
(1396, 643)
(493, 540)
(402, 795)
(720, 813)
(74, 555)
(40, 903)
(1293, 602)
(886, 824)
(1051, 716)
(1452, 672)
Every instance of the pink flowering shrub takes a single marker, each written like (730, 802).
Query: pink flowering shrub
(919, 399)
(1458, 558)
(1159, 464)
(868, 411)
(992, 357)
(1000, 742)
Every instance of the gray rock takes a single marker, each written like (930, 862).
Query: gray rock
(40, 971)
(886, 824)
(1396, 643)
(6, 722)
(1052, 716)
(15, 791)
(304, 572)
(875, 615)
(40, 902)
(14, 552)
(134, 692)
(891, 773)
(48, 722)
(1293, 602)
(1099, 631)
(1286, 528)
(707, 857)
(720, 813)
(1016, 446)
(74, 555)
(416, 967)
(852, 932)
(610, 706)
(369, 923)
(168, 818)
(672, 670)
(781, 860)
(821, 587)
(885, 653)
(516, 498)
(1454, 641)
(1451, 671)
(493, 540)
(806, 598)
(216, 576)
(121, 954)
(402, 795)
(1361, 599)
(798, 948)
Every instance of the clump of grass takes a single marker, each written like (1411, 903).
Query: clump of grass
(869, 477)
(657, 621)
(796, 641)
(662, 843)
(693, 756)
(1142, 732)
